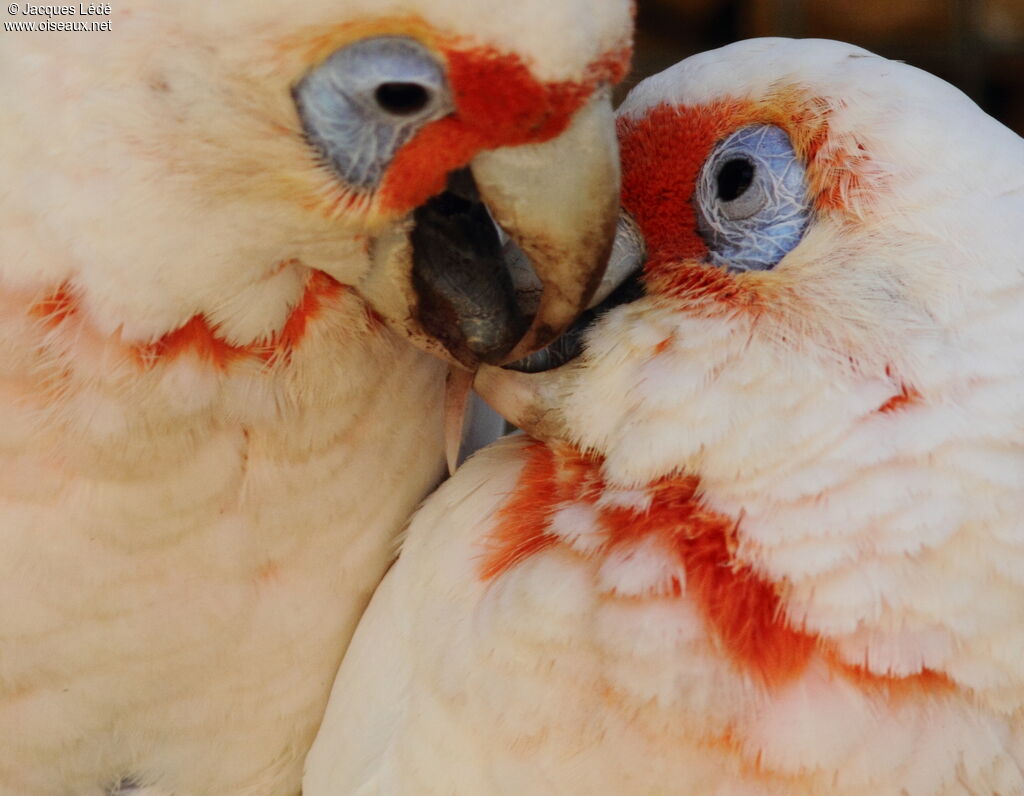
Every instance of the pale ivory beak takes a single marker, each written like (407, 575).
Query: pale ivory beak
(559, 202)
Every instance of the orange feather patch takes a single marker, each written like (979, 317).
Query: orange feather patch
(523, 521)
(905, 397)
(56, 307)
(741, 608)
(199, 337)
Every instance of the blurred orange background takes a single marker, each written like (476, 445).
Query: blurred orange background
(978, 45)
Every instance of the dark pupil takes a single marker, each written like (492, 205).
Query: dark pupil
(734, 178)
(401, 98)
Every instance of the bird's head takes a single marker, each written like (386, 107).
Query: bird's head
(423, 124)
(808, 407)
(831, 286)
(373, 141)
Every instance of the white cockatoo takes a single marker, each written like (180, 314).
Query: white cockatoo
(769, 536)
(214, 218)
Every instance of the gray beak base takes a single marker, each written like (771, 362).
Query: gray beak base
(466, 298)
(558, 201)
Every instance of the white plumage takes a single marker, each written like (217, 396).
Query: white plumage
(772, 541)
(209, 438)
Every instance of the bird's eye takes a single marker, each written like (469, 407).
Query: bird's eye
(363, 103)
(401, 99)
(734, 178)
(752, 200)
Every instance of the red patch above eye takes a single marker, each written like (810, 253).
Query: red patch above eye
(663, 153)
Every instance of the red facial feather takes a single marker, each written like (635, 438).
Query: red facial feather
(663, 153)
(498, 103)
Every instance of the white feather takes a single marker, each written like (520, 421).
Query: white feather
(862, 434)
(186, 547)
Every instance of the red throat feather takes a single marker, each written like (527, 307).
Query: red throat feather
(523, 521)
(199, 337)
(742, 609)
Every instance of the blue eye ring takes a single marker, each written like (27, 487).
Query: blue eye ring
(366, 100)
(752, 202)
